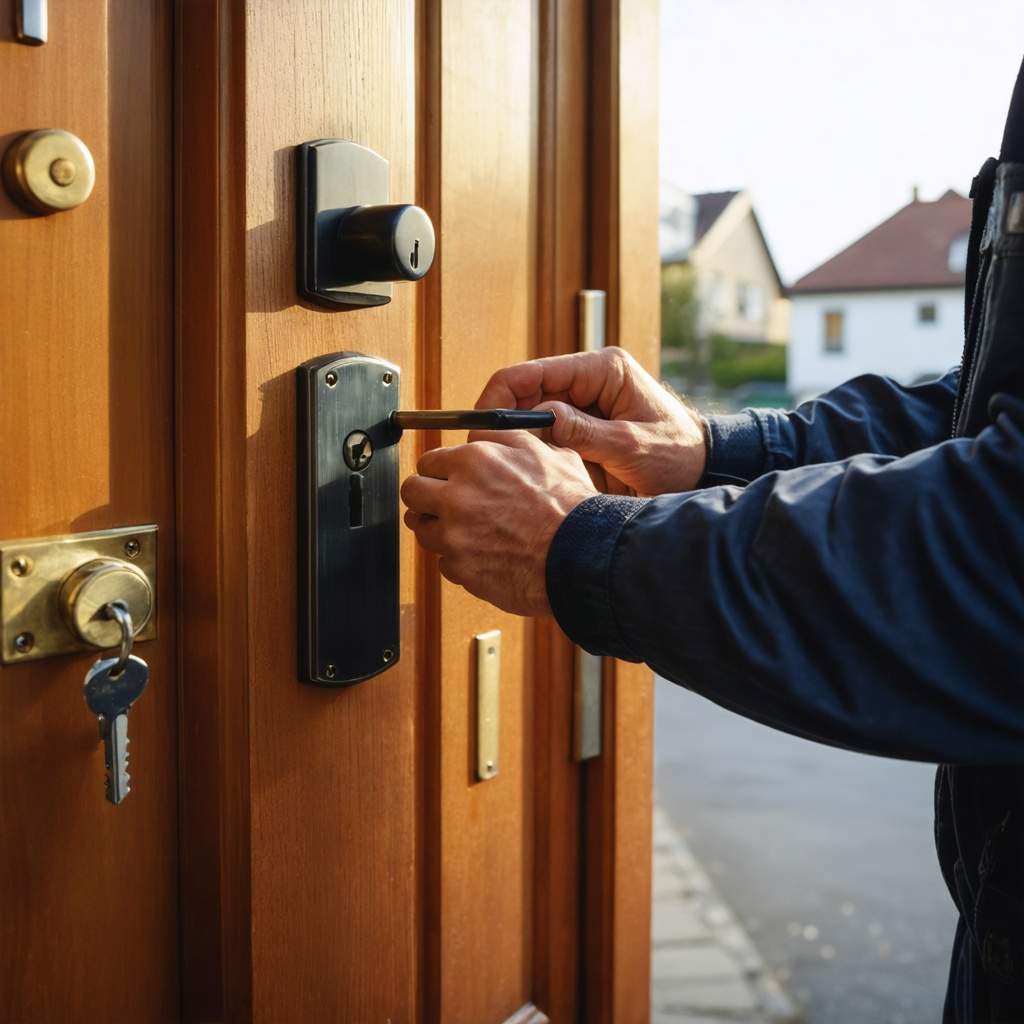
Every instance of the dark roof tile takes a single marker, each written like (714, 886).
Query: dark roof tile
(710, 206)
(909, 250)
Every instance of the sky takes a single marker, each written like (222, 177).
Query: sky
(831, 111)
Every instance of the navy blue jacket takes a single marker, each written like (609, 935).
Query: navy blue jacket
(865, 588)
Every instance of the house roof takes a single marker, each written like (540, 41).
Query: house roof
(710, 206)
(685, 218)
(909, 250)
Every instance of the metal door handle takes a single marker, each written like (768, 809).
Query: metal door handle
(30, 27)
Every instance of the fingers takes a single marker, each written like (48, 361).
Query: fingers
(423, 494)
(428, 530)
(508, 438)
(581, 378)
(594, 439)
(438, 462)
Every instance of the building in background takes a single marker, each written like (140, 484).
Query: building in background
(715, 240)
(890, 303)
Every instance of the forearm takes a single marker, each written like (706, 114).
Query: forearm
(848, 602)
(869, 414)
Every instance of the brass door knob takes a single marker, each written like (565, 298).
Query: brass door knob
(90, 587)
(49, 170)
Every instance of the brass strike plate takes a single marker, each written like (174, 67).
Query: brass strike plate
(32, 572)
(488, 703)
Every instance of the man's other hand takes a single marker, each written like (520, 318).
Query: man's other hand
(636, 437)
(490, 509)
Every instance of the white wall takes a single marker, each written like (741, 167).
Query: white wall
(881, 335)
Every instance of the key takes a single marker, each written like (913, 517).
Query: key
(110, 697)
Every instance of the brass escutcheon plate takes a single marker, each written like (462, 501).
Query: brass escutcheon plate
(32, 572)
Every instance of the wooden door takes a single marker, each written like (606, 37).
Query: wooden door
(304, 854)
(89, 928)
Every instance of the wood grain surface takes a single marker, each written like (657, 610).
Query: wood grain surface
(332, 773)
(562, 271)
(487, 157)
(624, 262)
(210, 304)
(89, 890)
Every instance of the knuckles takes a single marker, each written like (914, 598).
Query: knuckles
(618, 357)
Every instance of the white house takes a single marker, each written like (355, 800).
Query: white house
(717, 236)
(891, 303)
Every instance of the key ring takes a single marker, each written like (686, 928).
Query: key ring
(119, 610)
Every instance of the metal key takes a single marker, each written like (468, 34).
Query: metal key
(110, 697)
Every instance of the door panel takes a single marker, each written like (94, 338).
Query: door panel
(89, 890)
(316, 855)
(487, 169)
(333, 773)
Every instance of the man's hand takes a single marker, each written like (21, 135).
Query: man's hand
(490, 509)
(636, 437)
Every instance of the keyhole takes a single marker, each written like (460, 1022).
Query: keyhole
(414, 256)
(355, 501)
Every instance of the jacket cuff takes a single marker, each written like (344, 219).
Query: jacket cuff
(736, 449)
(578, 573)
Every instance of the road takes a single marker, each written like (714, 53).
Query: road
(826, 856)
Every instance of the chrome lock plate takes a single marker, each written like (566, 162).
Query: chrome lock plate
(348, 518)
(53, 591)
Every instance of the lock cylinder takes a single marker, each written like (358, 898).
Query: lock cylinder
(382, 243)
(351, 242)
(94, 585)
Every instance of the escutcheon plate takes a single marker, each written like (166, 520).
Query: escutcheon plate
(348, 624)
(32, 572)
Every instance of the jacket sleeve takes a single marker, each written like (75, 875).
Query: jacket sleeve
(868, 414)
(875, 604)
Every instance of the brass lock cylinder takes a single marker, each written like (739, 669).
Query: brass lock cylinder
(49, 170)
(92, 586)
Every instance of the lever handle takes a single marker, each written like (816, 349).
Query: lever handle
(471, 419)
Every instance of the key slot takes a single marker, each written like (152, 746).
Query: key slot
(355, 501)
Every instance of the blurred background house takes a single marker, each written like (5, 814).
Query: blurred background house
(725, 315)
(892, 302)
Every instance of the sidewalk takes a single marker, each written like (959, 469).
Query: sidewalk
(704, 967)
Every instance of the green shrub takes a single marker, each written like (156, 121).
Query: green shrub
(738, 362)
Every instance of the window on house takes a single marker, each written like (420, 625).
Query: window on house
(749, 302)
(834, 330)
(958, 253)
(717, 294)
(927, 313)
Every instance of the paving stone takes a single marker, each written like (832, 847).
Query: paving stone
(720, 997)
(775, 1003)
(668, 882)
(675, 921)
(736, 940)
(704, 967)
(700, 961)
(686, 1017)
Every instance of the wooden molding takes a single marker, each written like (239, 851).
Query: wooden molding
(623, 262)
(212, 542)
